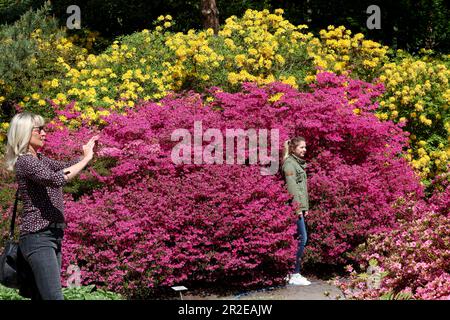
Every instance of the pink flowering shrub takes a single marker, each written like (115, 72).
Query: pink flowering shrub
(440, 199)
(175, 229)
(414, 260)
(158, 224)
(8, 189)
(152, 223)
(358, 183)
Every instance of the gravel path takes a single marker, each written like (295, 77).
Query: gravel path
(318, 290)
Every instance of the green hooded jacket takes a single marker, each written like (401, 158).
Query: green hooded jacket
(296, 180)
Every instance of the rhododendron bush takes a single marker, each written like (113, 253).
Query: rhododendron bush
(414, 260)
(153, 223)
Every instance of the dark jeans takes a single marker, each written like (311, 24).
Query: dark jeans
(42, 256)
(302, 239)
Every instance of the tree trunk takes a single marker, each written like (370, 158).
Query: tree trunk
(210, 15)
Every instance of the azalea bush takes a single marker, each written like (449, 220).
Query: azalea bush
(151, 223)
(156, 224)
(411, 261)
(34, 55)
(357, 184)
(8, 189)
(261, 47)
(418, 94)
(336, 50)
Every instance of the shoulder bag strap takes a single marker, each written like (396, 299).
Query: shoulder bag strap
(13, 218)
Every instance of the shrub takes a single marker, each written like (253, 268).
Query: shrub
(9, 294)
(413, 260)
(163, 224)
(261, 47)
(75, 293)
(154, 224)
(355, 181)
(418, 94)
(89, 293)
(33, 55)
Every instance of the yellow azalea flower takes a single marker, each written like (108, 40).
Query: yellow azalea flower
(310, 78)
(239, 59)
(252, 51)
(279, 11)
(233, 78)
(54, 83)
(280, 59)
(276, 97)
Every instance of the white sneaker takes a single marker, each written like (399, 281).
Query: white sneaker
(306, 280)
(298, 280)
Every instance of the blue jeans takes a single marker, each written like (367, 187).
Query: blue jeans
(302, 238)
(42, 254)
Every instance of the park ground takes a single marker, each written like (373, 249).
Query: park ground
(318, 290)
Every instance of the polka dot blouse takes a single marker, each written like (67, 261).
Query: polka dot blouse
(40, 181)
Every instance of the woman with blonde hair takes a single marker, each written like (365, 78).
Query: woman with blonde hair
(294, 172)
(40, 181)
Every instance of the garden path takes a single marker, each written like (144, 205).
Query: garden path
(318, 290)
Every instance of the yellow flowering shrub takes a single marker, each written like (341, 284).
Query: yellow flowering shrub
(261, 46)
(418, 93)
(53, 56)
(336, 50)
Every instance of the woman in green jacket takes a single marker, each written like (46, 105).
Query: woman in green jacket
(294, 172)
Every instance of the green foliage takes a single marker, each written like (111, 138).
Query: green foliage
(407, 24)
(11, 10)
(422, 24)
(399, 296)
(76, 293)
(18, 55)
(120, 17)
(89, 293)
(79, 187)
(6, 195)
(9, 294)
(29, 50)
